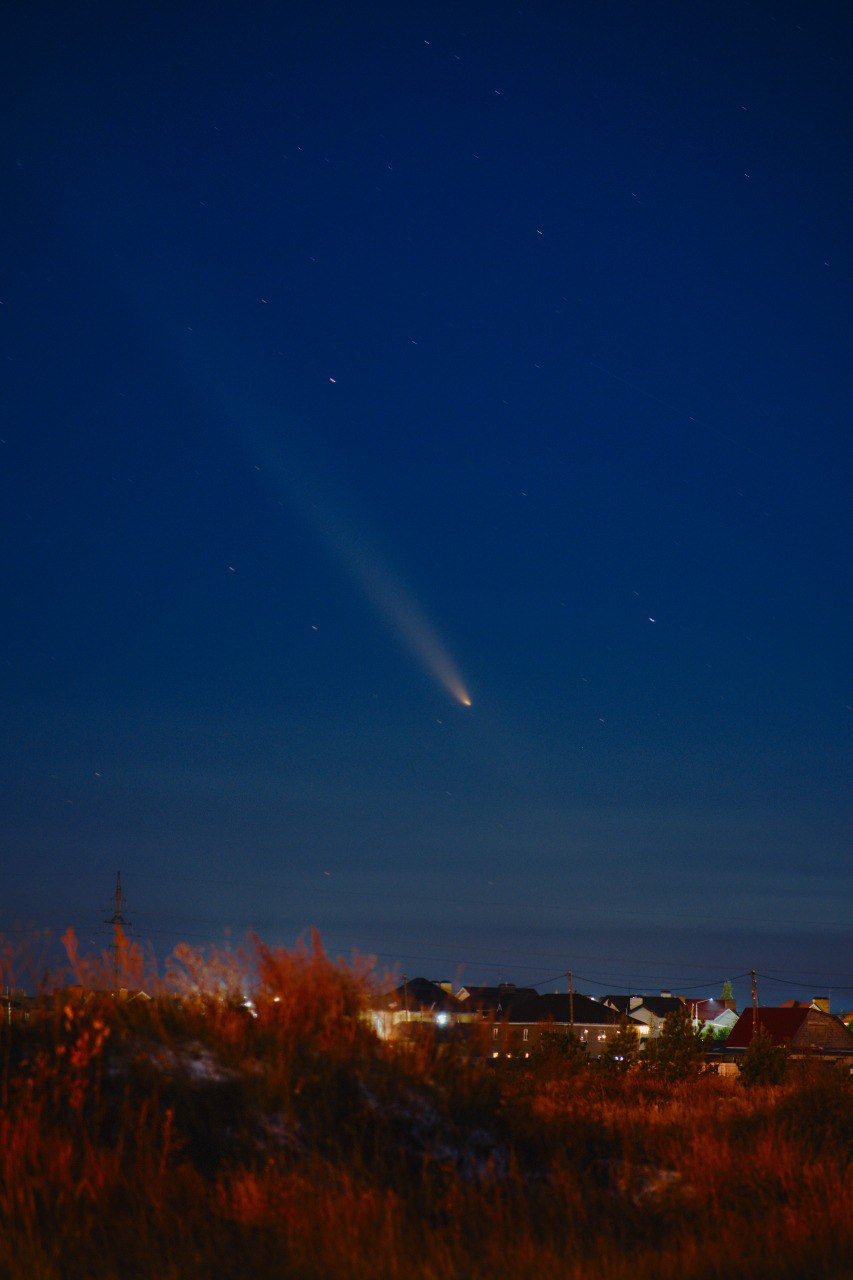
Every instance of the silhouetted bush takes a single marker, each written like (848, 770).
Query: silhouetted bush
(622, 1052)
(187, 1138)
(557, 1054)
(763, 1062)
(679, 1051)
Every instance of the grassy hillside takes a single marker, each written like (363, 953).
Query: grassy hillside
(187, 1138)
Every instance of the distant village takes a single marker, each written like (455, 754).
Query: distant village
(517, 1017)
(508, 1021)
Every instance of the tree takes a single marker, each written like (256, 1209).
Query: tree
(557, 1053)
(679, 1050)
(728, 994)
(621, 1053)
(763, 1062)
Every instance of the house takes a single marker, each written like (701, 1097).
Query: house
(712, 1015)
(15, 1008)
(415, 1001)
(521, 1027)
(650, 1011)
(806, 1031)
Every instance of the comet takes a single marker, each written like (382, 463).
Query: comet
(393, 601)
(287, 466)
(383, 587)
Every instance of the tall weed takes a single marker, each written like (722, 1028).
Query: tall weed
(195, 1135)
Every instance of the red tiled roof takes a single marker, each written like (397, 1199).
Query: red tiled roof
(780, 1024)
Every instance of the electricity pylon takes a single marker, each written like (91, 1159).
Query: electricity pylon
(118, 922)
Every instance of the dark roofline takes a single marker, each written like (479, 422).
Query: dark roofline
(557, 1007)
(422, 995)
(494, 999)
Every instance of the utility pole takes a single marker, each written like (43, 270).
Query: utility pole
(571, 1001)
(118, 922)
(406, 996)
(754, 1006)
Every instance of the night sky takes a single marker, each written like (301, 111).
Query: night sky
(361, 360)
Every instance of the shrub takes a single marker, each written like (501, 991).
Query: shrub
(622, 1052)
(188, 1139)
(763, 1062)
(679, 1050)
(557, 1054)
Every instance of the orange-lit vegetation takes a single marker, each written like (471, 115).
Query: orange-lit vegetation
(185, 1137)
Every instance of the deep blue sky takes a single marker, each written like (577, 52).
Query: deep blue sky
(542, 312)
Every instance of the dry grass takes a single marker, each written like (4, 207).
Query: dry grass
(186, 1138)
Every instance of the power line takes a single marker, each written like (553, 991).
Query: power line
(322, 888)
(507, 960)
(809, 986)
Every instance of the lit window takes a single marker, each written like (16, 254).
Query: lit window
(525, 1035)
